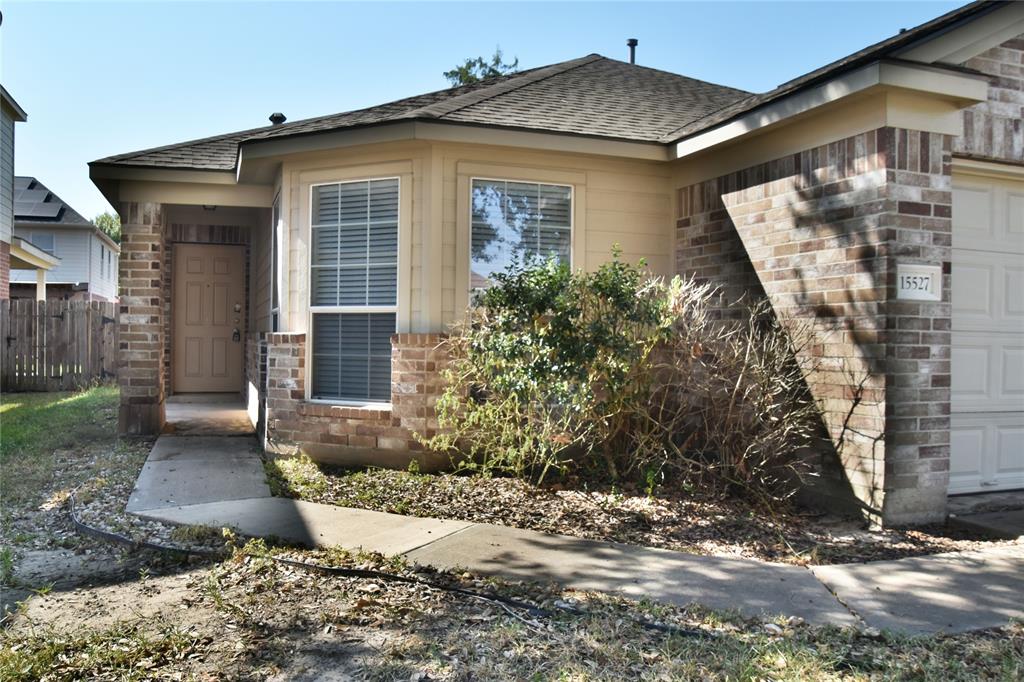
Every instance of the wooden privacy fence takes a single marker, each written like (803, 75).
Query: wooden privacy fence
(56, 345)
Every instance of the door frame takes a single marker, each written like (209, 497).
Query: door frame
(170, 330)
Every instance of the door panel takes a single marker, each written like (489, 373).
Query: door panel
(987, 411)
(207, 307)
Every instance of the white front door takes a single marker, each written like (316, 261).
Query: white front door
(987, 431)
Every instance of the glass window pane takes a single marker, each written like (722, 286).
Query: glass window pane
(360, 227)
(352, 356)
(517, 221)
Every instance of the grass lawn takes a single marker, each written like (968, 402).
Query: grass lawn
(35, 428)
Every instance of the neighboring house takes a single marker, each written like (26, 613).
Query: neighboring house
(14, 252)
(88, 257)
(315, 264)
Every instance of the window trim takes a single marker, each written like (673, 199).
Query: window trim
(469, 220)
(275, 253)
(313, 310)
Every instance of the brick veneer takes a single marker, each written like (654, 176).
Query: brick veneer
(367, 435)
(141, 319)
(820, 232)
(994, 129)
(5, 271)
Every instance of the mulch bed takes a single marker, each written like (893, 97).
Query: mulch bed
(688, 522)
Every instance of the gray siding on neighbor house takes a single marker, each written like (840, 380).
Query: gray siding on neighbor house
(80, 256)
(6, 174)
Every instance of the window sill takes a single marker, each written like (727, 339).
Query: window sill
(344, 409)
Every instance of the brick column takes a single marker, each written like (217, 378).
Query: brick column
(820, 233)
(140, 363)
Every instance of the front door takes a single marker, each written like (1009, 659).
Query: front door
(208, 313)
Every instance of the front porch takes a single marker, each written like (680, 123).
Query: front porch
(186, 340)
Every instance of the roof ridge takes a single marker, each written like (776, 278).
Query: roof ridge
(291, 124)
(450, 106)
(674, 134)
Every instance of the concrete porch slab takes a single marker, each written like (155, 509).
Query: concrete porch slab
(207, 414)
(751, 587)
(940, 593)
(314, 525)
(184, 470)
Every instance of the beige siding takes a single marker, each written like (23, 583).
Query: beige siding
(615, 202)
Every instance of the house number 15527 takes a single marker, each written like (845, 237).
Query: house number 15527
(919, 282)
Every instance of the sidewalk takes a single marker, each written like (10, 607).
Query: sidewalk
(218, 481)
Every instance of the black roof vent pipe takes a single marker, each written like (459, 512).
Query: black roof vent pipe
(632, 42)
(277, 118)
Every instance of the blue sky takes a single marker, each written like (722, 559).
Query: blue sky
(104, 78)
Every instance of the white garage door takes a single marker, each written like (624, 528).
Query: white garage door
(987, 436)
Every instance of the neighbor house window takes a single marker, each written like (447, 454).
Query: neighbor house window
(353, 289)
(517, 222)
(44, 241)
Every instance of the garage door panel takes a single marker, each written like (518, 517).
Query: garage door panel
(987, 372)
(988, 215)
(1015, 216)
(987, 291)
(990, 452)
(967, 438)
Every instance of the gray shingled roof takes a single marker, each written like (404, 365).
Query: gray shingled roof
(35, 203)
(592, 96)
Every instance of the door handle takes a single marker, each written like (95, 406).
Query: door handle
(236, 335)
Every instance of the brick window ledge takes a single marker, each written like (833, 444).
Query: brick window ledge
(375, 412)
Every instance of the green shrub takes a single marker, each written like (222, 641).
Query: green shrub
(620, 374)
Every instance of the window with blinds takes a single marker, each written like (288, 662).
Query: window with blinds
(517, 222)
(353, 288)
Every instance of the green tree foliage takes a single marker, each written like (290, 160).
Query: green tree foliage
(473, 70)
(110, 224)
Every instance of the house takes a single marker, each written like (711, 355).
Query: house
(315, 264)
(88, 256)
(15, 251)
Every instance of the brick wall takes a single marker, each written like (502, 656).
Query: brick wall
(5, 271)
(995, 129)
(383, 436)
(141, 319)
(820, 233)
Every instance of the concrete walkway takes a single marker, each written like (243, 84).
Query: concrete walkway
(219, 481)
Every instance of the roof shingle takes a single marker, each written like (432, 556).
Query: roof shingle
(592, 96)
